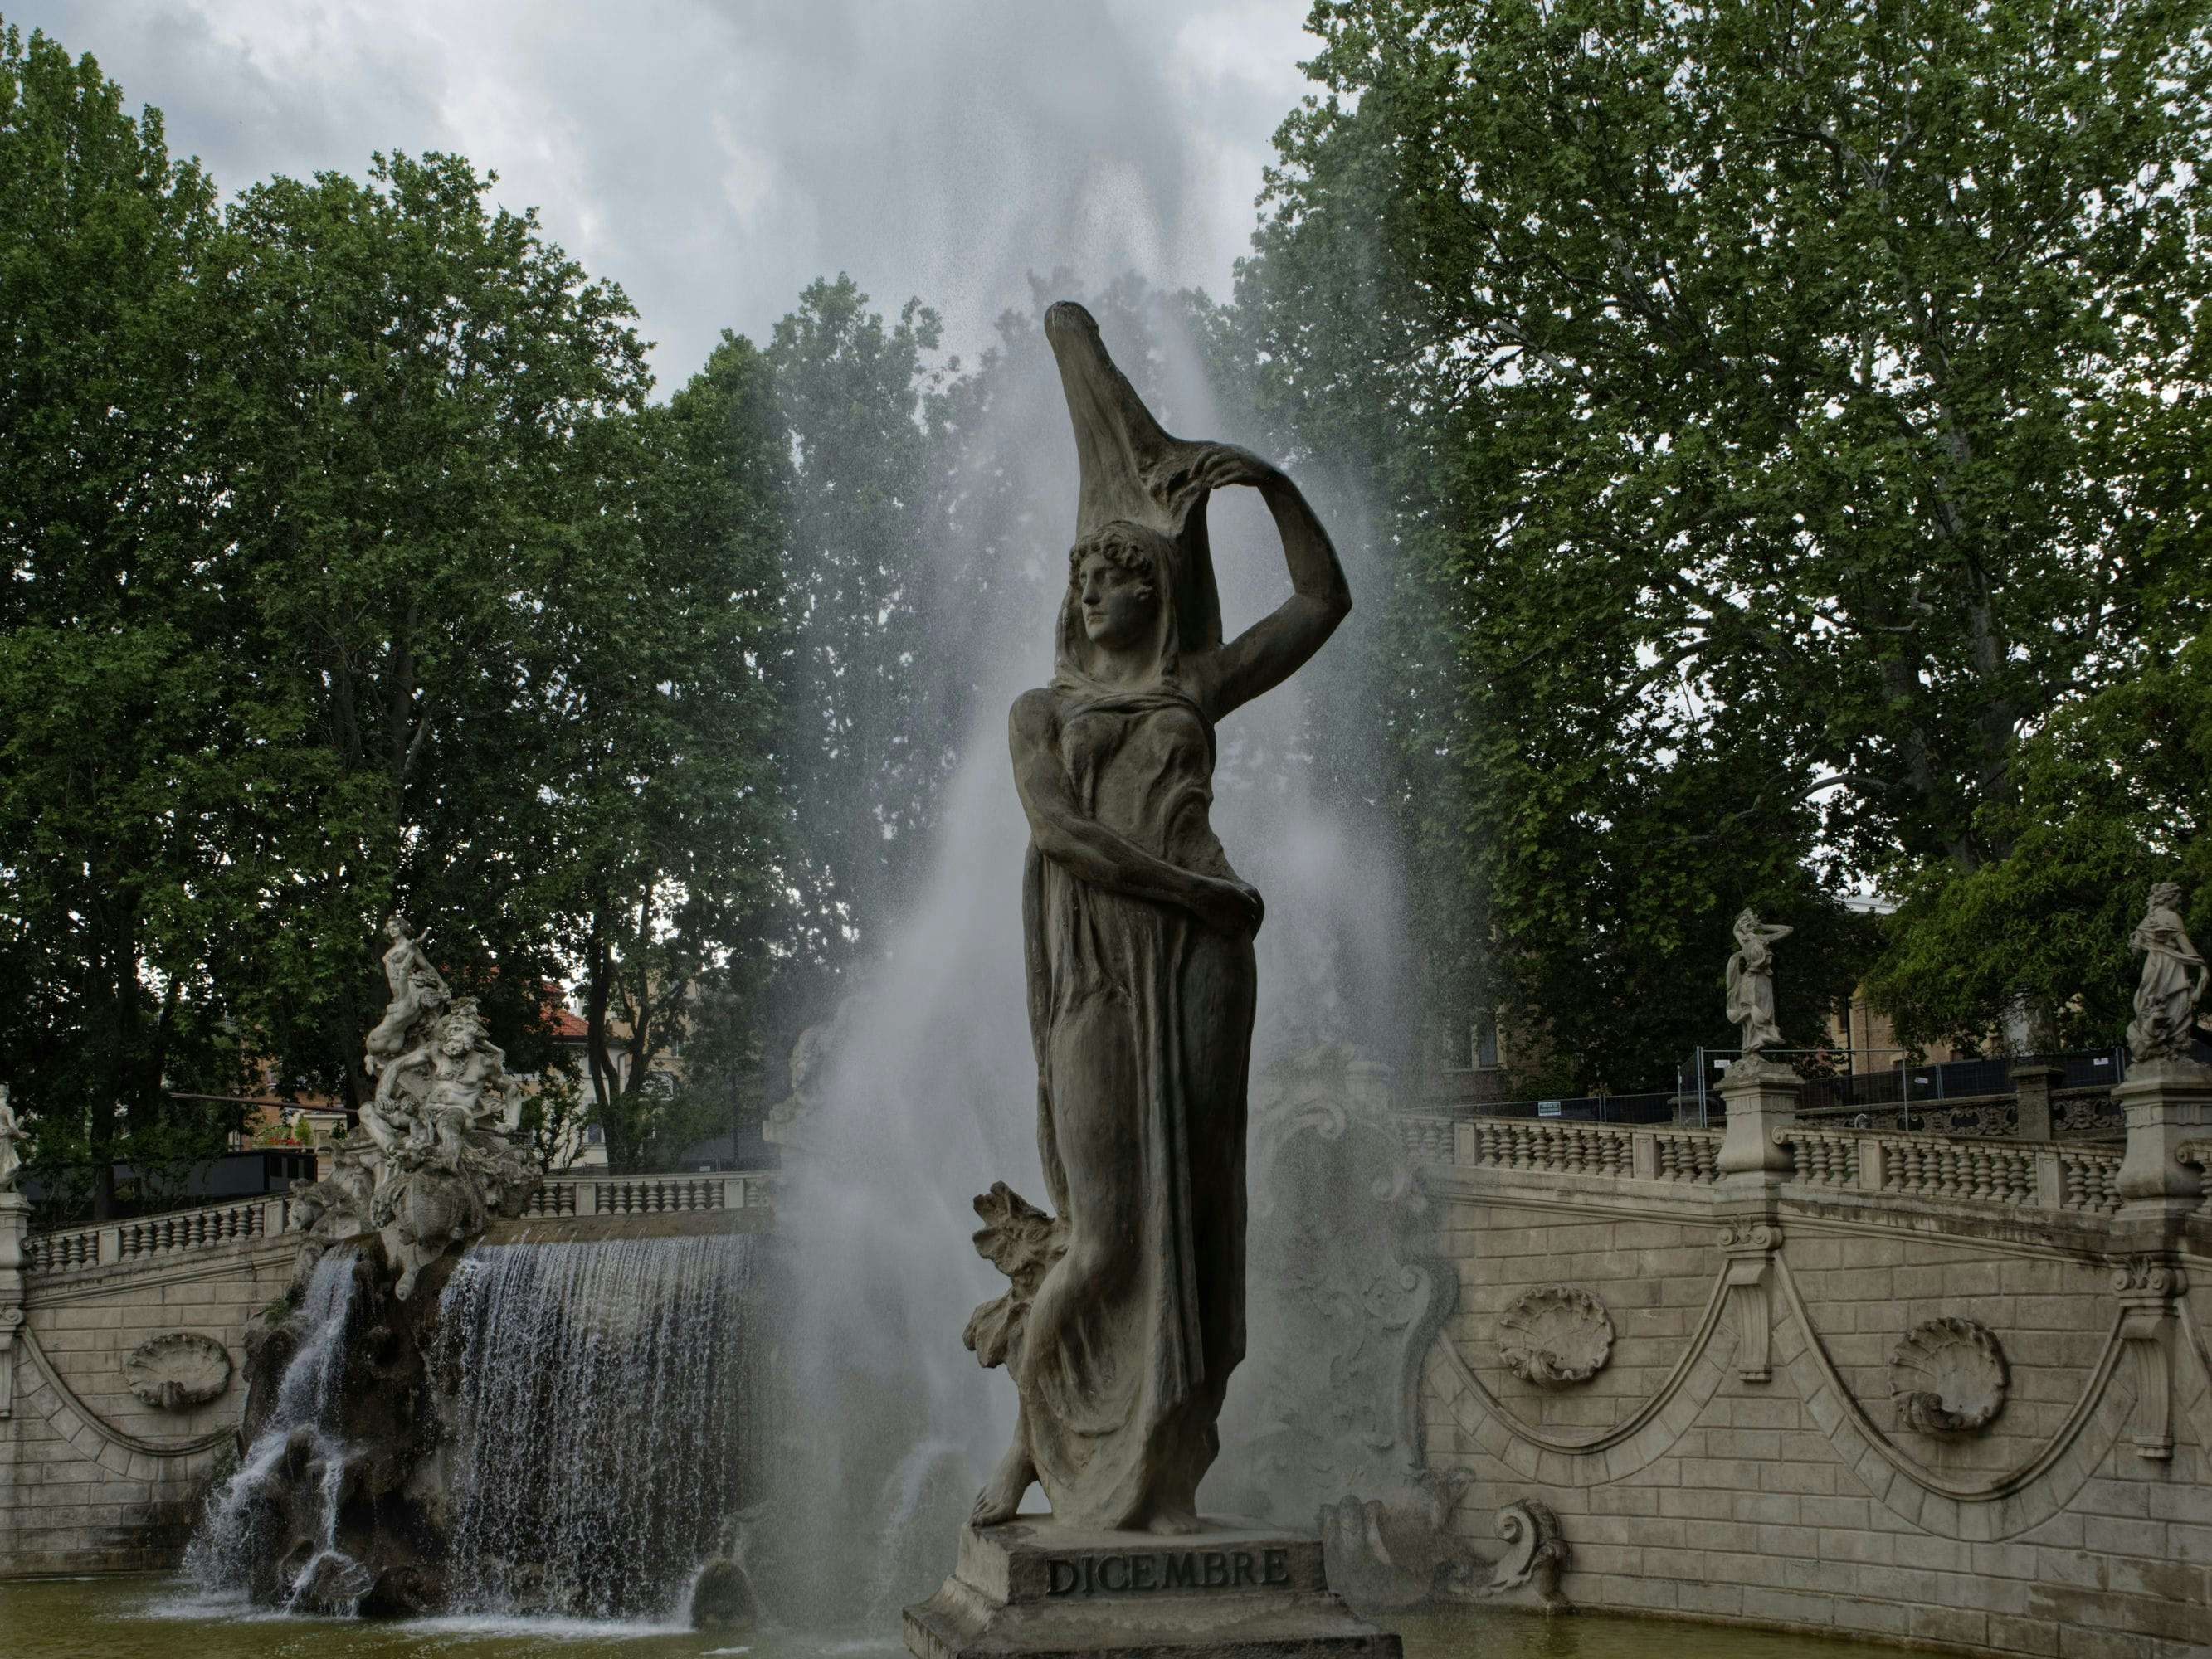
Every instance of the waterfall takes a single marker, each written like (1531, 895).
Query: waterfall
(602, 1433)
(239, 1531)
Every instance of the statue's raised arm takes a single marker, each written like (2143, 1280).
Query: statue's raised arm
(1281, 642)
(1137, 477)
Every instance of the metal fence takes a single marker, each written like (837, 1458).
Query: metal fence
(1837, 1079)
(1573, 1108)
(1884, 1082)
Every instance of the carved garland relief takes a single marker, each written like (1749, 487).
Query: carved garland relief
(1555, 1336)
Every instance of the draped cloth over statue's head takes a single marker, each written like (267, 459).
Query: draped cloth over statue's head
(1133, 473)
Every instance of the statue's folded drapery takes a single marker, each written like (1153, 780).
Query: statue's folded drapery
(1124, 1314)
(1121, 1402)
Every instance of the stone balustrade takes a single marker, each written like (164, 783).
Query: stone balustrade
(2016, 1174)
(1952, 1169)
(148, 1237)
(1583, 1149)
(1506, 1143)
(1691, 1155)
(661, 1195)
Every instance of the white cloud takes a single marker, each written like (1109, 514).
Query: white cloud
(713, 156)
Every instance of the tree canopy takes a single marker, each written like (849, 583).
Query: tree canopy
(1784, 388)
(1770, 443)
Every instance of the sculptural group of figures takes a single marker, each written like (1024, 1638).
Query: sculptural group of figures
(431, 1162)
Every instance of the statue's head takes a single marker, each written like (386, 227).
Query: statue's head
(460, 1028)
(1746, 923)
(1114, 577)
(395, 927)
(2165, 896)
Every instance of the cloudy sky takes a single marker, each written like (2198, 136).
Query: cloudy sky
(713, 156)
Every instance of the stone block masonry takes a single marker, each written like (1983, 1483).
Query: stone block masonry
(1937, 1403)
(93, 1475)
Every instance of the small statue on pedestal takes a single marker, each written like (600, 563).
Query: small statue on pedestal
(2172, 983)
(1751, 983)
(11, 1134)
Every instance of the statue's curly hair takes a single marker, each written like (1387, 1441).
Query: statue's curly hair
(463, 1016)
(1128, 546)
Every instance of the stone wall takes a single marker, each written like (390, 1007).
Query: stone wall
(94, 1477)
(1739, 1454)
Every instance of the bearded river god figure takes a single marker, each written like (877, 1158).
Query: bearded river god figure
(1126, 1310)
(1124, 1314)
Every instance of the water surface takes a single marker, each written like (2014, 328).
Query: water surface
(147, 1618)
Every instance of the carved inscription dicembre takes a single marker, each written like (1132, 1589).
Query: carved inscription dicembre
(1124, 1572)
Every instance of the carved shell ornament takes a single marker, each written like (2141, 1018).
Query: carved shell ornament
(1555, 1336)
(1947, 1377)
(178, 1370)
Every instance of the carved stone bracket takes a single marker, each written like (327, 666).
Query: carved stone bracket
(1749, 1243)
(11, 1321)
(1388, 1558)
(1535, 1552)
(2148, 1288)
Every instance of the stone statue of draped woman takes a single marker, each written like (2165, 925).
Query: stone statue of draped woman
(2173, 983)
(1751, 982)
(1127, 1314)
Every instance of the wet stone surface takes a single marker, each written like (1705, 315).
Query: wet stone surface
(157, 1618)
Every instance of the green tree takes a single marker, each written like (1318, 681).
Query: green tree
(661, 634)
(864, 757)
(1776, 377)
(2110, 795)
(410, 382)
(117, 709)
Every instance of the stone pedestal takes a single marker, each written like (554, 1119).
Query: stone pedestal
(1762, 1097)
(2169, 1106)
(14, 1221)
(2031, 1085)
(1235, 1591)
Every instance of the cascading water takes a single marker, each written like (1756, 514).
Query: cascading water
(604, 1420)
(299, 1450)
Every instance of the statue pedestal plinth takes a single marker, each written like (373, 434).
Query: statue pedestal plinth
(1236, 1591)
(2168, 1102)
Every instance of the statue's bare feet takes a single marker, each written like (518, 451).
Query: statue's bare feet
(1001, 1497)
(1174, 1522)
